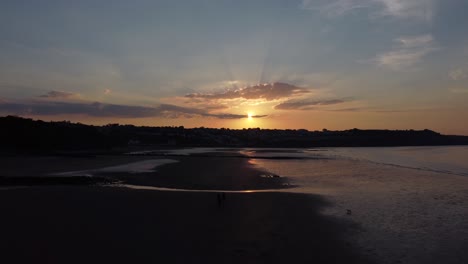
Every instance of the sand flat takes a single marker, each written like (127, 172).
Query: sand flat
(143, 166)
(396, 214)
(115, 225)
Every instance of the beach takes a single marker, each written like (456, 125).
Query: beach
(117, 225)
(275, 210)
(95, 224)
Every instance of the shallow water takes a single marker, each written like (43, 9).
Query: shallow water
(447, 159)
(166, 189)
(411, 203)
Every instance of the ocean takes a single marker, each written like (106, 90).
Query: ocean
(444, 159)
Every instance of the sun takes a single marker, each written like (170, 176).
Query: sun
(250, 115)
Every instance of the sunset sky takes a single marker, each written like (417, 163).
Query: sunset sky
(335, 64)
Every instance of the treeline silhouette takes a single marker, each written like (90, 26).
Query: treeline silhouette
(23, 134)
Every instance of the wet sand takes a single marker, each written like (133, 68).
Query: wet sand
(114, 225)
(207, 173)
(35, 166)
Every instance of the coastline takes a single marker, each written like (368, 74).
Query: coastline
(385, 213)
(213, 171)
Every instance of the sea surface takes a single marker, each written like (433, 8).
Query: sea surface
(445, 159)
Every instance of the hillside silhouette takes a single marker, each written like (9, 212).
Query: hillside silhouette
(22, 134)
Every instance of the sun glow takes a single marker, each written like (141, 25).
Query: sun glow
(250, 115)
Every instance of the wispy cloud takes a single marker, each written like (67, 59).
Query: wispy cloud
(377, 110)
(306, 104)
(415, 41)
(459, 90)
(458, 74)
(336, 7)
(399, 59)
(60, 95)
(268, 92)
(403, 9)
(97, 109)
(417, 9)
(409, 51)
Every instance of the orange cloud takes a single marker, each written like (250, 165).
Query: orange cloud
(268, 92)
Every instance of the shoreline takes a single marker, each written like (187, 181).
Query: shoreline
(181, 172)
(385, 213)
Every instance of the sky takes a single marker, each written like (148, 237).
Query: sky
(298, 64)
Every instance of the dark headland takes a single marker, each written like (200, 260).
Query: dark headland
(21, 134)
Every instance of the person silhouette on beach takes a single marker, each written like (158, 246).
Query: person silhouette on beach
(218, 196)
(221, 197)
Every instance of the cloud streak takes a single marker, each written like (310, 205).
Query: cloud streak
(60, 95)
(409, 51)
(268, 92)
(458, 74)
(416, 9)
(422, 10)
(97, 109)
(336, 7)
(306, 104)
